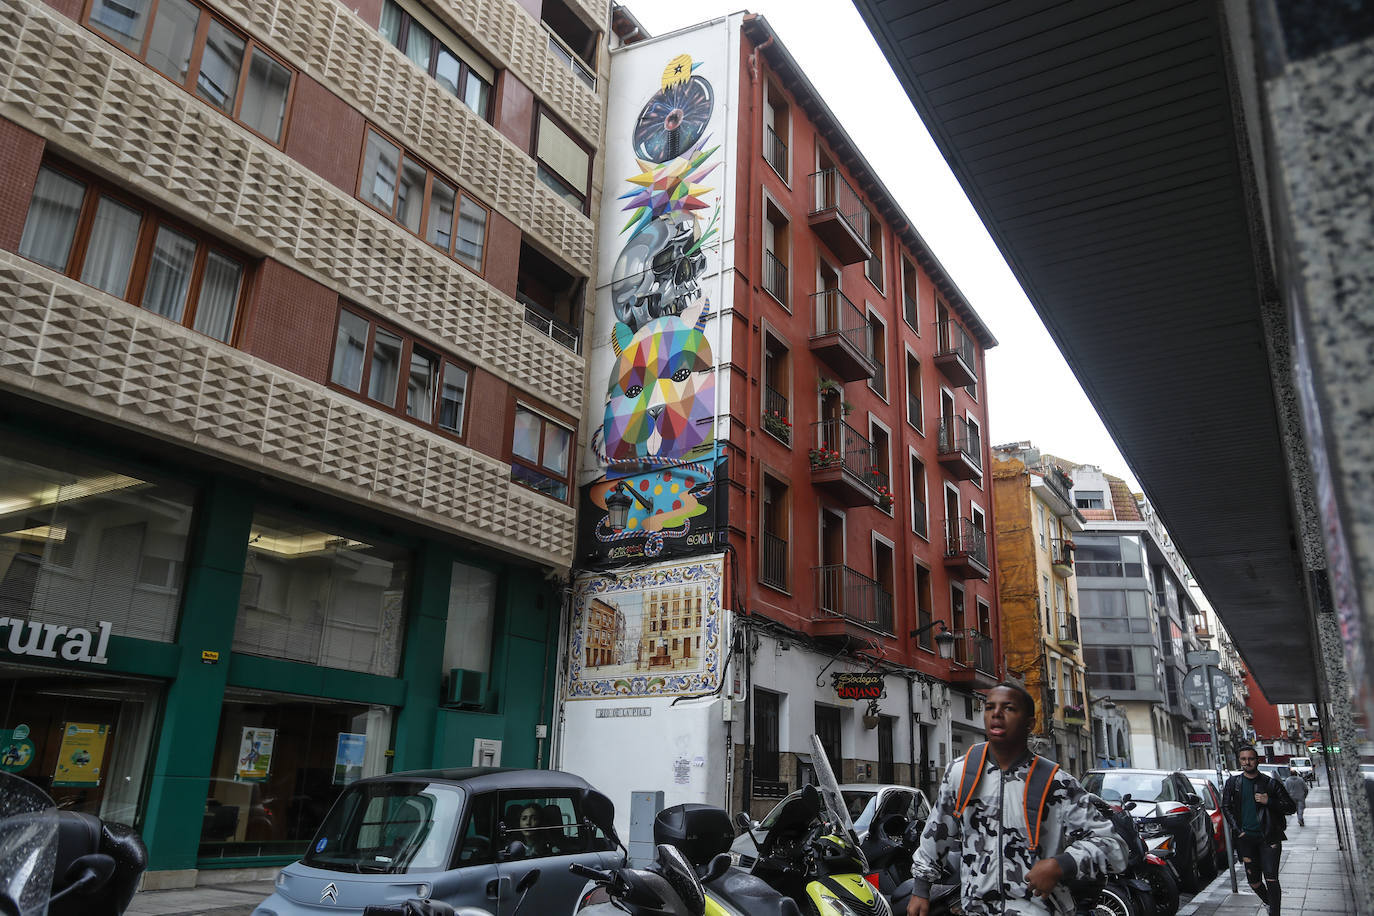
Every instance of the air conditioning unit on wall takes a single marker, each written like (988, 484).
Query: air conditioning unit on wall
(465, 689)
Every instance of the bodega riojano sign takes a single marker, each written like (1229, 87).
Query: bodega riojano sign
(53, 640)
(852, 686)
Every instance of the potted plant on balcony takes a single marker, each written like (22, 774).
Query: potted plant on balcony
(778, 424)
(884, 497)
(824, 457)
(828, 388)
(1074, 715)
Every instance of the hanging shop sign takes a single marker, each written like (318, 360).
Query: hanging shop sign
(53, 640)
(1199, 739)
(82, 754)
(255, 754)
(852, 686)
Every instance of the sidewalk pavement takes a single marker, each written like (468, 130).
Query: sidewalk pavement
(216, 899)
(1311, 873)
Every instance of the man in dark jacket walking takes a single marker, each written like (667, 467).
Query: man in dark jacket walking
(1255, 805)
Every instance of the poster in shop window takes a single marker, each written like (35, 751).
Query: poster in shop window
(82, 754)
(255, 754)
(348, 758)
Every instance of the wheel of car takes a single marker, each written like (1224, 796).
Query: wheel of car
(1187, 866)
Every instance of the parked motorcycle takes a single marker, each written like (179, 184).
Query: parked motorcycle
(667, 887)
(61, 862)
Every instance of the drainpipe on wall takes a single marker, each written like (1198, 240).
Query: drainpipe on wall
(911, 723)
(564, 618)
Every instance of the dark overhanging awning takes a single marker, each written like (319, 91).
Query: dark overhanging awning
(1097, 141)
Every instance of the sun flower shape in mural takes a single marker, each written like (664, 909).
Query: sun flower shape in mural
(669, 188)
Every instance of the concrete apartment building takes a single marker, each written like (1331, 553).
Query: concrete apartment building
(1036, 526)
(787, 405)
(1137, 620)
(290, 379)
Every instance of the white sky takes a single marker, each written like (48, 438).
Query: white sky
(1032, 393)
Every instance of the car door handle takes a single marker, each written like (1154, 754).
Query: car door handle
(497, 887)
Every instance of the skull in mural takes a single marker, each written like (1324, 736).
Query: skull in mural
(656, 273)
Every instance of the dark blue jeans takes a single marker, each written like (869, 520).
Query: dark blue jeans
(1261, 862)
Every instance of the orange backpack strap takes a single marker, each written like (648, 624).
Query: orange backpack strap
(1039, 781)
(968, 782)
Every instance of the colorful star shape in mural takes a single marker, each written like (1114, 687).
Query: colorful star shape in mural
(672, 187)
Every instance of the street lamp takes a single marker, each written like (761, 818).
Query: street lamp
(944, 640)
(618, 504)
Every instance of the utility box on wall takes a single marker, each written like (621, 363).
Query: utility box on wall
(644, 807)
(465, 689)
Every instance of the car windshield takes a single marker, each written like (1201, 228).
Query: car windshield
(1113, 787)
(389, 827)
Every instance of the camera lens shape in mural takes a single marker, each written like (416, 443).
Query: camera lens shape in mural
(673, 119)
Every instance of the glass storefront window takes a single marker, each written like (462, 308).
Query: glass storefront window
(322, 598)
(83, 542)
(471, 614)
(280, 763)
(83, 739)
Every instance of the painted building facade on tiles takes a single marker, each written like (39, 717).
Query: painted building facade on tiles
(787, 389)
(291, 374)
(1036, 524)
(1137, 621)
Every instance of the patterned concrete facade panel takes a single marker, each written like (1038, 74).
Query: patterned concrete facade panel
(104, 357)
(327, 40)
(72, 88)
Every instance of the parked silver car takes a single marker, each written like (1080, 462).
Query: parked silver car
(463, 836)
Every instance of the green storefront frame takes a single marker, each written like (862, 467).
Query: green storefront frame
(200, 665)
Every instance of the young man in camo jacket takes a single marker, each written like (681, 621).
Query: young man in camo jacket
(1000, 870)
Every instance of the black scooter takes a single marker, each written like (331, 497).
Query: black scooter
(62, 863)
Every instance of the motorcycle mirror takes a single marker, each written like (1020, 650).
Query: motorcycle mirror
(527, 881)
(516, 850)
(1192, 799)
(86, 874)
(719, 866)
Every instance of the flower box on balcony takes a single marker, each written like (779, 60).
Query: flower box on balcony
(1075, 715)
(779, 425)
(825, 457)
(884, 498)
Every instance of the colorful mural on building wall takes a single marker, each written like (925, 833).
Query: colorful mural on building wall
(652, 633)
(657, 441)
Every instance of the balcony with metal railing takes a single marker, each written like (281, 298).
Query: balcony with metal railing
(1068, 630)
(775, 152)
(846, 600)
(974, 662)
(1061, 557)
(841, 337)
(773, 561)
(568, 58)
(838, 217)
(775, 279)
(539, 319)
(955, 353)
(845, 464)
(776, 419)
(966, 549)
(960, 448)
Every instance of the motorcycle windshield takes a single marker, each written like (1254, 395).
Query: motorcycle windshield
(835, 809)
(28, 846)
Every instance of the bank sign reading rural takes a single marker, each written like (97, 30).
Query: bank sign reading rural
(53, 640)
(849, 686)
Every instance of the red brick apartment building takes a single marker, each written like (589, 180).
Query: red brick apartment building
(290, 370)
(849, 524)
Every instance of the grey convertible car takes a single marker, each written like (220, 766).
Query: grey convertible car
(463, 836)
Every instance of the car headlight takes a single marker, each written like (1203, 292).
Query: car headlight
(1151, 828)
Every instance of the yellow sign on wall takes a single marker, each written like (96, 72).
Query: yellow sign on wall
(82, 754)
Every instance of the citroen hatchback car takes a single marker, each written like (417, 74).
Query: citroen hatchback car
(463, 836)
